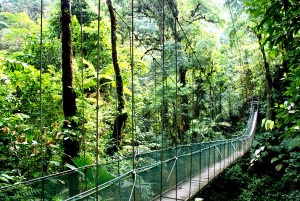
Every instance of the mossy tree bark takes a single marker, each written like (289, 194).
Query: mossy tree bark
(268, 79)
(184, 107)
(69, 96)
(70, 143)
(121, 117)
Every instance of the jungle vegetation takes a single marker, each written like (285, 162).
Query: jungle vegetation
(75, 70)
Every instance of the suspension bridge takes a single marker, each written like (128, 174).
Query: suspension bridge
(174, 173)
(170, 173)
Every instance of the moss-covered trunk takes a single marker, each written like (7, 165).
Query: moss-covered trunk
(121, 117)
(268, 79)
(71, 144)
(184, 107)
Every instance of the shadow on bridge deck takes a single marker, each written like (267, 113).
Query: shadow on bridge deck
(191, 187)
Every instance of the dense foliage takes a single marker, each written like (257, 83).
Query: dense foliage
(195, 89)
(272, 171)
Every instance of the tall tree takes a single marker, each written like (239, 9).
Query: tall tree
(71, 144)
(184, 119)
(121, 113)
(69, 105)
(268, 77)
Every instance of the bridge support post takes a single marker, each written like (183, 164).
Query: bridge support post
(200, 165)
(208, 164)
(214, 162)
(225, 156)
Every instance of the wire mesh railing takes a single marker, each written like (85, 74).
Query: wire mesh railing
(117, 183)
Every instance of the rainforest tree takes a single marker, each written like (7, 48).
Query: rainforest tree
(121, 117)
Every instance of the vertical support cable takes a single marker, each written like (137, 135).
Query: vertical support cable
(163, 99)
(97, 103)
(176, 102)
(229, 151)
(117, 129)
(191, 167)
(245, 146)
(82, 91)
(237, 144)
(156, 118)
(236, 37)
(200, 167)
(241, 62)
(236, 150)
(219, 150)
(132, 100)
(191, 139)
(225, 156)
(208, 164)
(214, 161)
(42, 144)
(233, 152)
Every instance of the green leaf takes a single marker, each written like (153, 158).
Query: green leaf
(263, 122)
(71, 166)
(106, 77)
(54, 163)
(81, 161)
(281, 114)
(127, 91)
(4, 179)
(278, 167)
(290, 144)
(269, 124)
(274, 159)
(104, 176)
(22, 116)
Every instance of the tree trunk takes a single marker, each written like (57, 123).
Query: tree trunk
(184, 101)
(121, 114)
(279, 84)
(268, 79)
(220, 100)
(69, 96)
(184, 114)
(71, 144)
(211, 101)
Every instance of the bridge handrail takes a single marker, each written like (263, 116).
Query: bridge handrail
(181, 155)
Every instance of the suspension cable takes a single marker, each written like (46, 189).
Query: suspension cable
(241, 62)
(132, 100)
(176, 102)
(192, 129)
(189, 43)
(163, 99)
(156, 116)
(147, 50)
(97, 103)
(42, 144)
(236, 37)
(82, 90)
